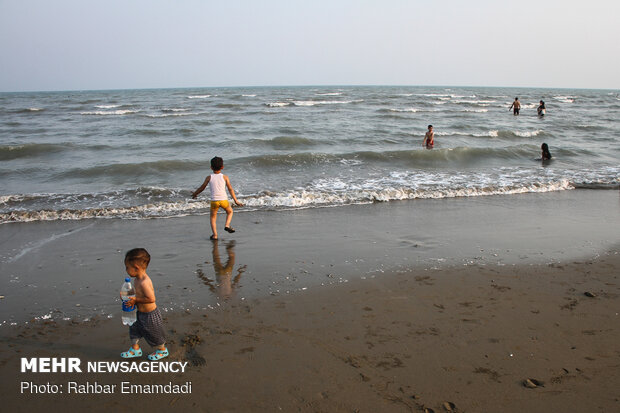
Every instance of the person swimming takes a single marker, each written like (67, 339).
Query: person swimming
(546, 155)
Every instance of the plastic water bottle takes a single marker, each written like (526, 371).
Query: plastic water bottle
(129, 313)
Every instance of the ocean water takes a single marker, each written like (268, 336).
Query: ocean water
(134, 154)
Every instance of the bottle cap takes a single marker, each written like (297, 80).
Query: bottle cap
(127, 279)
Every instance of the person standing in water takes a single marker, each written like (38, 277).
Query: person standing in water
(516, 107)
(542, 109)
(429, 138)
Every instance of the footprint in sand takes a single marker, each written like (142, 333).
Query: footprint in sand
(189, 343)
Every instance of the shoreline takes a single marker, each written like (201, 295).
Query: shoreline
(72, 268)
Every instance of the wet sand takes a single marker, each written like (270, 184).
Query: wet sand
(463, 334)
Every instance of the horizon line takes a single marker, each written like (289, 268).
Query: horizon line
(297, 86)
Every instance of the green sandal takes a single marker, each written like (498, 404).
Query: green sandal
(158, 355)
(131, 353)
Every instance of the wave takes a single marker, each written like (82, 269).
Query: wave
(311, 103)
(412, 110)
(481, 102)
(111, 112)
(133, 170)
(284, 142)
(107, 106)
(229, 106)
(9, 152)
(26, 110)
(171, 114)
(278, 104)
(461, 155)
(199, 96)
(317, 198)
(505, 134)
(321, 194)
(156, 202)
(565, 99)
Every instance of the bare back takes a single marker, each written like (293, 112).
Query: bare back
(145, 292)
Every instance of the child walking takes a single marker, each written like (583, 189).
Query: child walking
(149, 324)
(218, 184)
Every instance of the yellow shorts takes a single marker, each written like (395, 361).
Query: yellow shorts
(215, 205)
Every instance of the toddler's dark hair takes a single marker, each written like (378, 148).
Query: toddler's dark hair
(138, 256)
(217, 163)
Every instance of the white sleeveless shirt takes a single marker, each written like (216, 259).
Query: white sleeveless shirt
(218, 187)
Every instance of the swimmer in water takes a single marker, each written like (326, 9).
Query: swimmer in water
(546, 155)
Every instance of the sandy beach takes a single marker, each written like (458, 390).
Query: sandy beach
(375, 308)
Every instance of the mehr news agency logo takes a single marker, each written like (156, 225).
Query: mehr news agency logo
(74, 365)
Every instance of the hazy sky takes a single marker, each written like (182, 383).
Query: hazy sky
(128, 44)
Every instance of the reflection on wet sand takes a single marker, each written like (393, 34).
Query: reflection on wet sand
(224, 284)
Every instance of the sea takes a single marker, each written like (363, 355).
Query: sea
(139, 154)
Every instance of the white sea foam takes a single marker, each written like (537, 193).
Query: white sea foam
(329, 94)
(278, 104)
(322, 192)
(565, 99)
(199, 96)
(476, 102)
(491, 134)
(249, 96)
(527, 134)
(110, 113)
(166, 115)
(405, 110)
(107, 106)
(431, 95)
(323, 102)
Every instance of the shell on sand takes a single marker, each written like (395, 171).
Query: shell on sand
(532, 383)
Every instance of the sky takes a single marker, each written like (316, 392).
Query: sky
(135, 44)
